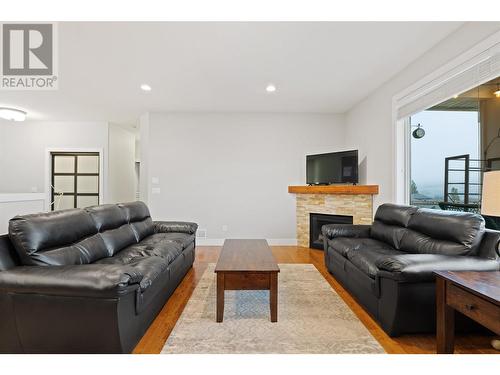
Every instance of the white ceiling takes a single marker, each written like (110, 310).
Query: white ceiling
(317, 67)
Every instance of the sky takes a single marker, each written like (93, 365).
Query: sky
(447, 133)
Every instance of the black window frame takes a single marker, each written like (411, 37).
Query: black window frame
(75, 174)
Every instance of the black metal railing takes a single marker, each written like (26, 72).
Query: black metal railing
(469, 180)
(470, 207)
(462, 184)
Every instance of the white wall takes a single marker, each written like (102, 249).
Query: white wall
(23, 150)
(232, 169)
(144, 154)
(19, 204)
(121, 165)
(369, 124)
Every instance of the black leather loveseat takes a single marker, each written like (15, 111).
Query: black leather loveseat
(88, 280)
(388, 266)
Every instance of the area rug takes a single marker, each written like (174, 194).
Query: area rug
(312, 318)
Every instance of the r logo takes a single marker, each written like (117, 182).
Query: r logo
(27, 49)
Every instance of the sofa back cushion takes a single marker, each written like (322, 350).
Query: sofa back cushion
(443, 232)
(390, 223)
(138, 216)
(65, 237)
(111, 222)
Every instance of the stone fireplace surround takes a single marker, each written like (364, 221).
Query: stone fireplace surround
(316, 221)
(349, 200)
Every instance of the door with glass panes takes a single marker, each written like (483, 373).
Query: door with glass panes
(75, 180)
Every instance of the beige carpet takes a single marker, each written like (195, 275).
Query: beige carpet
(312, 318)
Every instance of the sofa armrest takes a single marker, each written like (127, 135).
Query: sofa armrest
(174, 226)
(345, 230)
(421, 267)
(87, 280)
(489, 248)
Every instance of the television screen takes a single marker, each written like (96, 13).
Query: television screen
(332, 168)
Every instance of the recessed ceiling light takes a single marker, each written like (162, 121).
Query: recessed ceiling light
(145, 87)
(270, 88)
(12, 114)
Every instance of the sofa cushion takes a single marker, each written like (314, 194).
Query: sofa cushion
(443, 232)
(111, 222)
(56, 238)
(86, 251)
(344, 245)
(390, 234)
(182, 239)
(118, 239)
(125, 256)
(167, 250)
(142, 228)
(366, 261)
(107, 216)
(421, 267)
(394, 214)
(134, 211)
(138, 216)
(390, 223)
(149, 267)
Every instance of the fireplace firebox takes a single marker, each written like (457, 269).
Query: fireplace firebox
(316, 221)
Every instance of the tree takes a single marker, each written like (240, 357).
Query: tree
(454, 196)
(413, 187)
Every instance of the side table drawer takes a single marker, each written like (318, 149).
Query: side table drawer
(482, 311)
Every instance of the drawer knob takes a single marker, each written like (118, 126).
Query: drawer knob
(470, 307)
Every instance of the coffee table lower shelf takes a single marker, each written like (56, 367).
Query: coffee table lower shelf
(247, 280)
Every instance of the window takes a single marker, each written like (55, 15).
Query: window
(75, 180)
(439, 169)
(451, 145)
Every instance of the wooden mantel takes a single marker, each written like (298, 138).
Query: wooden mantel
(334, 189)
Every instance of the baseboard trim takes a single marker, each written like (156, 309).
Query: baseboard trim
(282, 241)
(270, 241)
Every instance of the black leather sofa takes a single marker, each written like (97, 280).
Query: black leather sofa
(388, 266)
(88, 280)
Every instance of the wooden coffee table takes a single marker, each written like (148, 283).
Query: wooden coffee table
(474, 294)
(247, 265)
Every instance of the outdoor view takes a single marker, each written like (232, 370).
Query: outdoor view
(447, 133)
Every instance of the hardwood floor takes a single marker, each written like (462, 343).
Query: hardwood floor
(158, 332)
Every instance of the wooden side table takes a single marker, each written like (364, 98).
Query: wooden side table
(474, 294)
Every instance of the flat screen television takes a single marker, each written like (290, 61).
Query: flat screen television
(332, 168)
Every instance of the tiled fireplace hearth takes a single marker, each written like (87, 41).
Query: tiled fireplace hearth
(346, 200)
